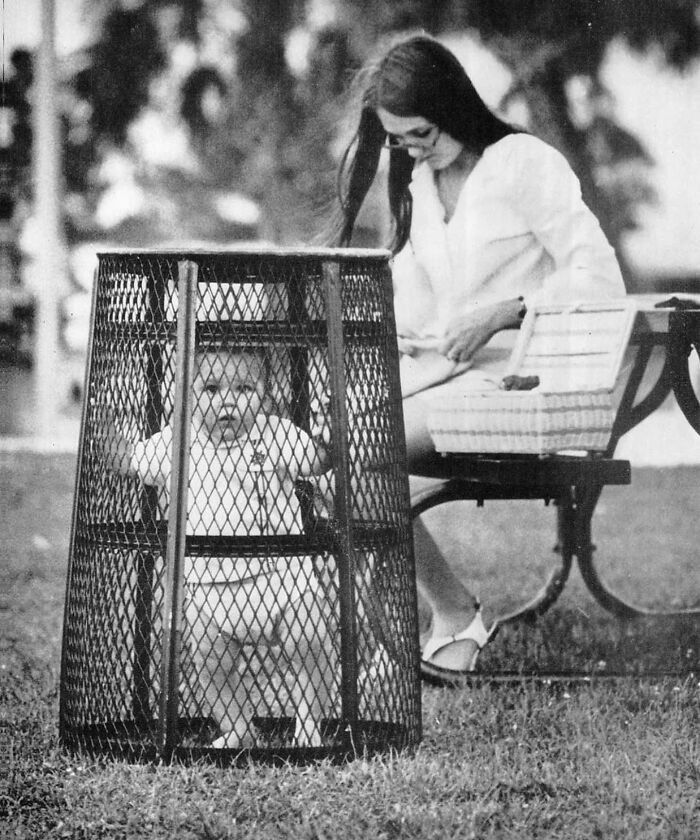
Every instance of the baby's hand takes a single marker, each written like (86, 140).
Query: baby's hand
(406, 346)
(320, 428)
(116, 449)
(320, 432)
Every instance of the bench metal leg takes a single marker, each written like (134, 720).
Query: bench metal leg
(553, 587)
(543, 599)
(452, 491)
(584, 554)
(575, 508)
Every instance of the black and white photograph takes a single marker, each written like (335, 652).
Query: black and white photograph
(349, 419)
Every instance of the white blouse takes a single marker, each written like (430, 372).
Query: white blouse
(519, 227)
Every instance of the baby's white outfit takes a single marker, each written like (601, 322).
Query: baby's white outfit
(243, 487)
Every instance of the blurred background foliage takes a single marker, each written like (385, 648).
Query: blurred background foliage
(221, 120)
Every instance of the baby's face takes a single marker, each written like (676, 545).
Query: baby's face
(229, 392)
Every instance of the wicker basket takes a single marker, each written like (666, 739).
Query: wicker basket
(577, 354)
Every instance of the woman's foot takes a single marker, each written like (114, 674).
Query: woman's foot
(453, 654)
(447, 659)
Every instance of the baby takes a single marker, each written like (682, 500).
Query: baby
(244, 462)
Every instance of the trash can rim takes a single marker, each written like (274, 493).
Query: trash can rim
(250, 250)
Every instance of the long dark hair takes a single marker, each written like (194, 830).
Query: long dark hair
(417, 76)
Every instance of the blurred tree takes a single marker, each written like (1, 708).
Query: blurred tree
(108, 87)
(15, 133)
(267, 129)
(122, 63)
(257, 129)
(203, 94)
(16, 304)
(255, 145)
(547, 45)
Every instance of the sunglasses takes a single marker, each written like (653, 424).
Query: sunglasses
(417, 138)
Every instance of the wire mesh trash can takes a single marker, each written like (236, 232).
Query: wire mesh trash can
(240, 580)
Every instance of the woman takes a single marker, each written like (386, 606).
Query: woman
(487, 221)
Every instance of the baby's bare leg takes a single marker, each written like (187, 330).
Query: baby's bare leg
(307, 631)
(221, 670)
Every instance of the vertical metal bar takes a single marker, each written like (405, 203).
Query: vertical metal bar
(343, 494)
(391, 357)
(145, 563)
(177, 512)
(143, 628)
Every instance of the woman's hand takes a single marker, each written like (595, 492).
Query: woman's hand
(468, 332)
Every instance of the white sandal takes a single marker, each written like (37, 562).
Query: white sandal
(474, 632)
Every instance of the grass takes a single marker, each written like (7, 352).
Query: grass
(608, 758)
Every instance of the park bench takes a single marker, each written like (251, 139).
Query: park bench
(574, 482)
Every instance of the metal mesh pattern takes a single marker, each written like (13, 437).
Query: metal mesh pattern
(241, 574)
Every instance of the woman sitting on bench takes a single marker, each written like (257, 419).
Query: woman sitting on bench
(487, 220)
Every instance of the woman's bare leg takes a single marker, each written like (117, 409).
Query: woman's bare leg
(451, 603)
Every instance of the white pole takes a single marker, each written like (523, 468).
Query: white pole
(50, 262)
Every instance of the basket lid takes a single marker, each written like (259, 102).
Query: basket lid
(574, 347)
